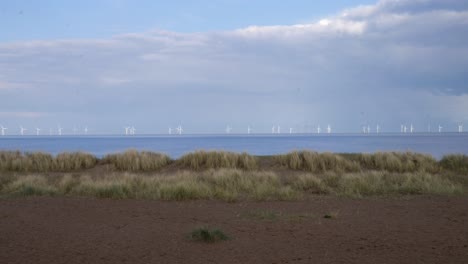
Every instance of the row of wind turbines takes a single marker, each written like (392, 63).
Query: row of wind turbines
(23, 130)
(366, 129)
(131, 130)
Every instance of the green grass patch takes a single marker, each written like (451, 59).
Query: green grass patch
(207, 235)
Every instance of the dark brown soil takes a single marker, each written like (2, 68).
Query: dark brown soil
(83, 230)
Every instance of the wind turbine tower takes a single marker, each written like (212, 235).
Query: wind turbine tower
(440, 129)
(328, 129)
(228, 129)
(127, 129)
(170, 131)
(22, 130)
(377, 129)
(273, 129)
(318, 129)
(86, 130)
(411, 128)
(179, 129)
(460, 128)
(59, 128)
(290, 130)
(37, 131)
(279, 129)
(3, 129)
(249, 130)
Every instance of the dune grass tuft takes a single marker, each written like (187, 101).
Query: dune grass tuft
(355, 162)
(395, 162)
(42, 162)
(455, 162)
(316, 162)
(132, 160)
(230, 185)
(201, 160)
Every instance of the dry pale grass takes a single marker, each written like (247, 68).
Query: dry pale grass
(218, 159)
(316, 162)
(455, 162)
(230, 185)
(133, 160)
(15, 161)
(380, 161)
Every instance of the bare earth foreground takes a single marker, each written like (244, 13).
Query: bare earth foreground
(418, 229)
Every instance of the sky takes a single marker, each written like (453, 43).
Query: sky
(206, 65)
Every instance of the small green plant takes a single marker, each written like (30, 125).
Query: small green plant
(331, 215)
(207, 235)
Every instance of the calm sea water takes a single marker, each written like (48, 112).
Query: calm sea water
(175, 146)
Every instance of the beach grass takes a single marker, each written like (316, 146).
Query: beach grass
(230, 176)
(201, 160)
(17, 161)
(230, 185)
(133, 160)
(355, 162)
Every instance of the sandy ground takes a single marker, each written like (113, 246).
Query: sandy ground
(378, 230)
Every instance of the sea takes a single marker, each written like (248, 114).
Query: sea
(435, 144)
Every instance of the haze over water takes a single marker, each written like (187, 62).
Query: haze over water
(434, 144)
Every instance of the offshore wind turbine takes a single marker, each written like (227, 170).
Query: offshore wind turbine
(37, 131)
(22, 129)
(248, 130)
(228, 129)
(279, 129)
(86, 130)
(460, 128)
(273, 129)
(59, 128)
(377, 129)
(132, 130)
(328, 129)
(170, 131)
(127, 129)
(411, 128)
(290, 130)
(3, 129)
(318, 129)
(179, 129)
(440, 129)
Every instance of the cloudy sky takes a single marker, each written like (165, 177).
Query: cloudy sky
(208, 64)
